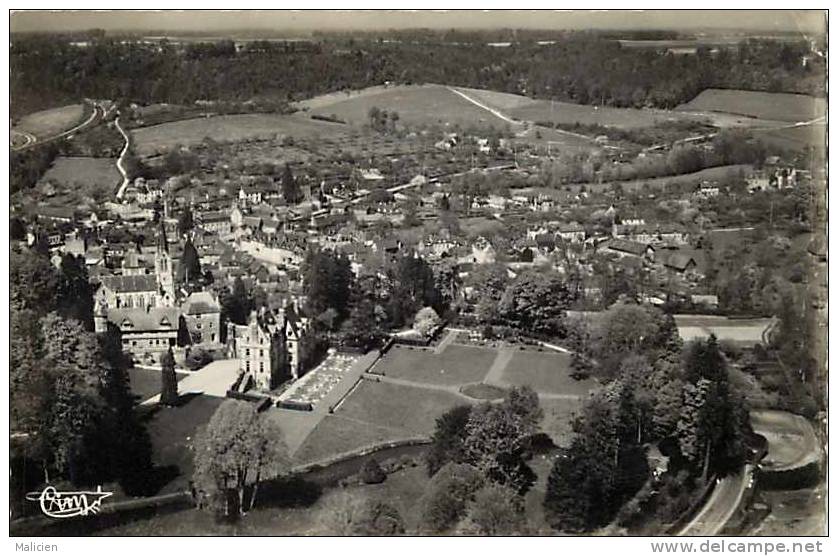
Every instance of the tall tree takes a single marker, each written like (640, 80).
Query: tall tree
(235, 304)
(185, 222)
(291, 191)
(168, 379)
(448, 439)
(189, 267)
(238, 449)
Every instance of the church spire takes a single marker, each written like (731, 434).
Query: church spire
(162, 241)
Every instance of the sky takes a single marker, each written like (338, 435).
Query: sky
(808, 22)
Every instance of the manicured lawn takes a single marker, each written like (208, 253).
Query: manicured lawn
(241, 127)
(47, 123)
(335, 435)
(454, 366)
(145, 383)
(408, 410)
(483, 391)
(547, 372)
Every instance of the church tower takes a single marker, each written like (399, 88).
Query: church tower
(163, 268)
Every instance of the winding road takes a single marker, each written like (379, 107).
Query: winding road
(723, 502)
(32, 141)
(120, 162)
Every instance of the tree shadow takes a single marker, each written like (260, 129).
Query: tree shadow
(288, 492)
(153, 480)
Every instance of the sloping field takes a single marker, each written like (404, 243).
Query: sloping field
(417, 105)
(784, 107)
(794, 138)
(159, 138)
(520, 107)
(47, 123)
(83, 173)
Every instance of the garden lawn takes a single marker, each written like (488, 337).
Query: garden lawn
(408, 411)
(456, 365)
(335, 435)
(547, 372)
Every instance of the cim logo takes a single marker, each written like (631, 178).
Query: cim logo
(69, 504)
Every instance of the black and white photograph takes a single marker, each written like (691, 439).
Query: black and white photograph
(418, 273)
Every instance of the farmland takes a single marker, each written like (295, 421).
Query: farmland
(243, 127)
(794, 138)
(772, 106)
(47, 123)
(416, 105)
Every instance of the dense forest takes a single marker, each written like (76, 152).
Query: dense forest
(47, 70)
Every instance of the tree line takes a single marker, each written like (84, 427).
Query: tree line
(46, 70)
(71, 410)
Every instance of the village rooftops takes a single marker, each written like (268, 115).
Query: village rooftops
(677, 261)
(630, 247)
(200, 303)
(152, 319)
(130, 284)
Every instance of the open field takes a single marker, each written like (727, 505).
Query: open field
(47, 123)
(83, 175)
(784, 107)
(242, 127)
(454, 366)
(416, 105)
(547, 373)
(794, 138)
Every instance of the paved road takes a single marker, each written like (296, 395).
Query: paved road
(720, 507)
(792, 442)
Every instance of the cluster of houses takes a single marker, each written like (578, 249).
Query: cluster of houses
(253, 235)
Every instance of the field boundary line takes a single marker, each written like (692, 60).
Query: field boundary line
(489, 109)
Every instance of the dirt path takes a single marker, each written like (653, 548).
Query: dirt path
(479, 104)
(495, 374)
(120, 162)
